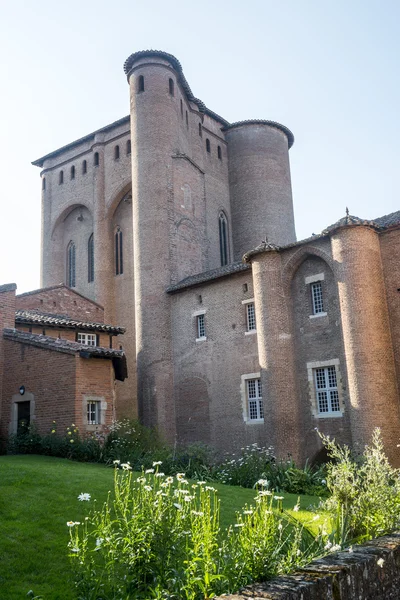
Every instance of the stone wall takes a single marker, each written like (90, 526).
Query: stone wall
(370, 572)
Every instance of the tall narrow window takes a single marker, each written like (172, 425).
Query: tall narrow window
(72, 172)
(84, 167)
(201, 327)
(251, 316)
(140, 85)
(71, 257)
(119, 261)
(208, 145)
(255, 408)
(96, 160)
(317, 299)
(91, 259)
(223, 239)
(44, 183)
(219, 153)
(128, 147)
(187, 120)
(200, 130)
(116, 152)
(327, 390)
(61, 178)
(171, 86)
(181, 108)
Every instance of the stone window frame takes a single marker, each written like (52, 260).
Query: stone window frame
(312, 280)
(311, 366)
(245, 399)
(102, 408)
(249, 318)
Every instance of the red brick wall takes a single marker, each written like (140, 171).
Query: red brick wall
(7, 318)
(94, 377)
(63, 301)
(48, 375)
(58, 382)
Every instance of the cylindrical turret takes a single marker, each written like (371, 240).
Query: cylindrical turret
(260, 185)
(374, 399)
(153, 80)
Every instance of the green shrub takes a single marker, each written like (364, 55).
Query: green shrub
(365, 492)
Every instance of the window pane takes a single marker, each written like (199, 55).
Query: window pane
(316, 290)
(251, 317)
(201, 328)
(322, 401)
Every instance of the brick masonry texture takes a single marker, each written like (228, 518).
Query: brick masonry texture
(343, 576)
(165, 191)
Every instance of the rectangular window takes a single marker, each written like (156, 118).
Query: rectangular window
(327, 390)
(88, 339)
(317, 299)
(251, 316)
(93, 413)
(201, 327)
(255, 408)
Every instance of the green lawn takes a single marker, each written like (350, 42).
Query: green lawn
(38, 495)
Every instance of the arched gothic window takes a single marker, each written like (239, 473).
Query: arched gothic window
(171, 86)
(119, 258)
(116, 152)
(223, 238)
(71, 270)
(96, 160)
(44, 183)
(128, 147)
(91, 259)
(61, 178)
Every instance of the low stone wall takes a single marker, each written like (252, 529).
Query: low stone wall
(370, 572)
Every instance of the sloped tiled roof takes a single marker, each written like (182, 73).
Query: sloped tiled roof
(60, 345)
(34, 317)
(8, 287)
(389, 220)
(206, 276)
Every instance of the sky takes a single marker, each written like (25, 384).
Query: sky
(328, 70)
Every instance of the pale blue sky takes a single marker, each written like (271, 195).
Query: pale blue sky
(326, 70)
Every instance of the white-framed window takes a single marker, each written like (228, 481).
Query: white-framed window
(251, 316)
(93, 412)
(252, 400)
(317, 298)
(326, 388)
(88, 339)
(201, 326)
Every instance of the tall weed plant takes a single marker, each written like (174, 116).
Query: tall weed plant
(365, 492)
(160, 537)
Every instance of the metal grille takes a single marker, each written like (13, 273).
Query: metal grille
(201, 326)
(93, 413)
(316, 291)
(327, 392)
(251, 317)
(254, 398)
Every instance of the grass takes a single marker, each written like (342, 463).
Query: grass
(38, 495)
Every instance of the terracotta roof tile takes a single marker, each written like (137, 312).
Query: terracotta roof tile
(59, 345)
(34, 317)
(207, 276)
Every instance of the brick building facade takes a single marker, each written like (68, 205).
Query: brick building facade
(151, 216)
(56, 367)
